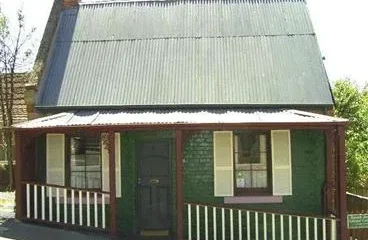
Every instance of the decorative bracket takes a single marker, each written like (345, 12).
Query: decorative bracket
(105, 140)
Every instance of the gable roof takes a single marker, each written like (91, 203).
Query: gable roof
(235, 52)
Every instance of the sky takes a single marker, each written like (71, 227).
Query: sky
(341, 27)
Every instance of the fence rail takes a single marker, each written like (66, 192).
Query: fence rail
(58, 204)
(357, 204)
(213, 222)
(361, 191)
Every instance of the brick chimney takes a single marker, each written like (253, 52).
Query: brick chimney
(70, 3)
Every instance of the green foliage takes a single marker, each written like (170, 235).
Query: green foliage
(352, 103)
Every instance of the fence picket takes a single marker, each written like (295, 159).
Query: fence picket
(103, 211)
(307, 228)
(333, 230)
(264, 226)
(214, 224)
(231, 225)
(248, 225)
(57, 205)
(28, 193)
(35, 210)
(240, 224)
(198, 222)
(256, 224)
(65, 206)
(315, 229)
(273, 227)
(290, 228)
(80, 208)
(88, 211)
(189, 222)
(73, 208)
(96, 209)
(43, 202)
(206, 221)
(282, 227)
(223, 222)
(50, 203)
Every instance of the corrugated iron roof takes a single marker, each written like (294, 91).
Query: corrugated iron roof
(118, 118)
(178, 19)
(241, 52)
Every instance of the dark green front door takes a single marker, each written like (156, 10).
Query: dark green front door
(153, 184)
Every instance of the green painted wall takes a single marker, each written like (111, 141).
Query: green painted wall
(308, 170)
(308, 164)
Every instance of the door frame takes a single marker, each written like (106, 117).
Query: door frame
(170, 142)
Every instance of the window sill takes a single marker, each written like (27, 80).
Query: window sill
(253, 199)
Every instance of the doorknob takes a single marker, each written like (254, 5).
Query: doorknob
(139, 180)
(154, 181)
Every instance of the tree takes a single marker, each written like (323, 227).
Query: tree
(352, 103)
(14, 53)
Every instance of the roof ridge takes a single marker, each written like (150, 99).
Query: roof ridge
(192, 37)
(145, 2)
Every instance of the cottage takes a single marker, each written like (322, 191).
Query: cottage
(185, 120)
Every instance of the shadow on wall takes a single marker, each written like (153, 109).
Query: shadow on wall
(4, 176)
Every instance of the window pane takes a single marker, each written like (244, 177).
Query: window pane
(77, 179)
(93, 180)
(77, 161)
(251, 179)
(85, 162)
(250, 153)
(93, 161)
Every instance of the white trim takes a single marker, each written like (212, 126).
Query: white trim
(118, 164)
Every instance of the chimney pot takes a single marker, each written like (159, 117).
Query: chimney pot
(70, 3)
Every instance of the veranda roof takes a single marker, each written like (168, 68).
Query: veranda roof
(177, 117)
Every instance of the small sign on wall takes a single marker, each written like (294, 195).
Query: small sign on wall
(357, 221)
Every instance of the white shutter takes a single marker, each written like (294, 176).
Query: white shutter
(105, 165)
(223, 163)
(281, 162)
(55, 159)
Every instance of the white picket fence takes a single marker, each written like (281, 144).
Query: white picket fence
(63, 205)
(214, 222)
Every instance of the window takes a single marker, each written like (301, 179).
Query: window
(84, 166)
(252, 165)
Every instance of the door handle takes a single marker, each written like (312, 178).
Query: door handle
(139, 181)
(154, 181)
